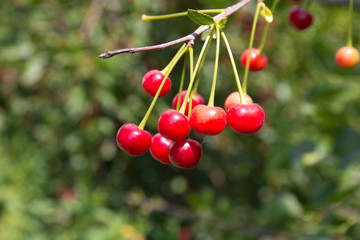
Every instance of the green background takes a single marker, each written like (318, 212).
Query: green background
(63, 177)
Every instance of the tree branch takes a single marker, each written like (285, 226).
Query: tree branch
(188, 38)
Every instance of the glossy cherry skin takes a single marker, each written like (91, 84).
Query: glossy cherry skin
(257, 62)
(195, 101)
(208, 120)
(159, 148)
(245, 118)
(347, 57)
(152, 81)
(234, 98)
(185, 153)
(174, 125)
(132, 140)
(300, 18)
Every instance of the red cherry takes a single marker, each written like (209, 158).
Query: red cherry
(68, 195)
(185, 153)
(195, 101)
(159, 148)
(300, 18)
(208, 120)
(174, 125)
(347, 57)
(152, 81)
(245, 118)
(234, 98)
(132, 140)
(184, 233)
(257, 62)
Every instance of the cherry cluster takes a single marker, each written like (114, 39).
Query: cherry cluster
(171, 145)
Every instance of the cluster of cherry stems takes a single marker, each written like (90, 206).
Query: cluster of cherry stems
(172, 145)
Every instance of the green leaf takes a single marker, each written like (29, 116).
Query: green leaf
(205, 34)
(222, 22)
(200, 18)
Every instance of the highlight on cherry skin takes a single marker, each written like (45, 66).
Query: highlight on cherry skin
(159, 148)
(208, 120)
(257, 62)
(245, 118)
(174, 125)
(347, 57)
(300, 18)
(185, 153)
(198, 99)
(152, 81)
(234, 98)
(132, 140)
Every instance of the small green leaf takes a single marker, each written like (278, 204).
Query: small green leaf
(222, 22)
(200, 18)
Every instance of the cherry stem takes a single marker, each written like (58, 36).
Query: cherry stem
(237, 78)
(201, 56)
(349, 36)
(191, 56)
(168, 70)
(216, 66)
(201, 60)
(182, 82)
(258, 7)
(307, 4)
(146, 18)
(264, 37)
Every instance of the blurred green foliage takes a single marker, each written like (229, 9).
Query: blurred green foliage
(63, 177)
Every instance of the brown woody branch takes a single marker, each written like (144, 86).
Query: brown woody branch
(188, 38)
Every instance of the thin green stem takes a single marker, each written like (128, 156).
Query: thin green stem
(169, 68)
(146, 18)
(258, 7)
(201, 60)
(237, 78)
(182, 82)
(266, 30)
(216, 66)
(307, 4)
(349, 36)
(191, 56)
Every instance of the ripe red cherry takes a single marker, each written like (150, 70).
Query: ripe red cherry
(132, 140)
(152, 81)
(185, 153)
(208, 120)
(245, 118)
(174, 125)
(234, 98)
(257, 62)
(195, 101)
(159, 148)
(347, 57)
(300, 18)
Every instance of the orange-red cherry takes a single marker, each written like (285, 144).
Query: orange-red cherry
(159, 148)
(257, 62)
(234, 98)
(347, 57)
(174, 125)
(152, 81)
(245, 118)
(185, 153)
(198, 99)
(208, 120)
(132, 140)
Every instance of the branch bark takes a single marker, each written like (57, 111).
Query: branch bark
(188, 38)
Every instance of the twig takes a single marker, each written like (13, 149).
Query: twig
(188, 38)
